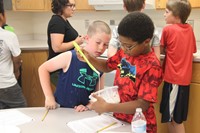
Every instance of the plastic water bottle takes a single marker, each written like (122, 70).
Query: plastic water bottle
(138, 124)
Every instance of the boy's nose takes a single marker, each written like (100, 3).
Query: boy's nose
(101, 46)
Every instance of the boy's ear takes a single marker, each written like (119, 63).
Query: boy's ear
(124, 7)
(86, 38)
(143, 7)
(147, 41)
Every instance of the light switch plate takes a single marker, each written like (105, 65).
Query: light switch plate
(87, 23)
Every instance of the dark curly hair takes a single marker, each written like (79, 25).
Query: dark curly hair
(57, 6)
(137, 26)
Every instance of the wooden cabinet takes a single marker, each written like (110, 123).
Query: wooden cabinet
(31, 5)
(30, 79)
(161, 128)
(195, 3)
(193, 119)
(161, 4)
(45, 5)
(196, 73)
(83, 5)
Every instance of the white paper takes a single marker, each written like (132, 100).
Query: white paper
(9, 129)
(93, 124)
(13, 117)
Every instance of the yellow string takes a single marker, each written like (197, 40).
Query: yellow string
(84, 57)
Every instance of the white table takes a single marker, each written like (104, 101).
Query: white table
(55, 121)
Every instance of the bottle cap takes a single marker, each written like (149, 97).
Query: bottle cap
(138, 109)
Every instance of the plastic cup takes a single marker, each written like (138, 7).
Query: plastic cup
(109, 94)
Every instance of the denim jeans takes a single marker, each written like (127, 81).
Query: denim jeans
(12, 97)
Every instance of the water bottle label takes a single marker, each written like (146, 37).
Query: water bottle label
(138, 126)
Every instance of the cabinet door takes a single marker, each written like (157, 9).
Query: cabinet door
(193, 119)
(30, 80)
(161, 4)
(83, 5)
(29, 4)
(195, 3)
(196, 73)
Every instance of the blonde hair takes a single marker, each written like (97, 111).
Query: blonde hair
(97, 27)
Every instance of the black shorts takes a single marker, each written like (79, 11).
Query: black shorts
(174, 103)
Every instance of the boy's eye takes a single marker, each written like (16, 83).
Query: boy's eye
(125, 46)
(128, 46)
(105, 45)
(98, 42)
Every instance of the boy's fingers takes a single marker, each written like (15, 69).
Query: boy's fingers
(96, 96)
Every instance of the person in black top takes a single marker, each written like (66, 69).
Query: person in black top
(60, 32)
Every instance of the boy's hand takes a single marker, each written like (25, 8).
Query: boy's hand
(50, 103)
(80, 40)
(81, 108)
(100, 106)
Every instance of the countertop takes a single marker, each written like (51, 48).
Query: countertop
(33, 45)
(42, 45)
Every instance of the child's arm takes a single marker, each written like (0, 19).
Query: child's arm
(100, 83)
(101, 106)
(17, 63)
(162, 50)
(157, 51)
(156, 44)
(61, 61)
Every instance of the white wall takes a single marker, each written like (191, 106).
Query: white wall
(34, 24)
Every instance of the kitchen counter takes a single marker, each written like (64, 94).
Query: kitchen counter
(42, 45)
(33, 45)
(196, 56)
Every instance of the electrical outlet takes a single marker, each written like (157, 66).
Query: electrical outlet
(87, 23)
(112, 22)
(191, 22)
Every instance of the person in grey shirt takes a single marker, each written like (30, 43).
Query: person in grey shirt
(130, 6)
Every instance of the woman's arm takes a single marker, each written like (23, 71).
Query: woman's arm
(59, 46)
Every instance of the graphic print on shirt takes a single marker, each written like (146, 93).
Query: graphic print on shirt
(84, 77)
(127, 70)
